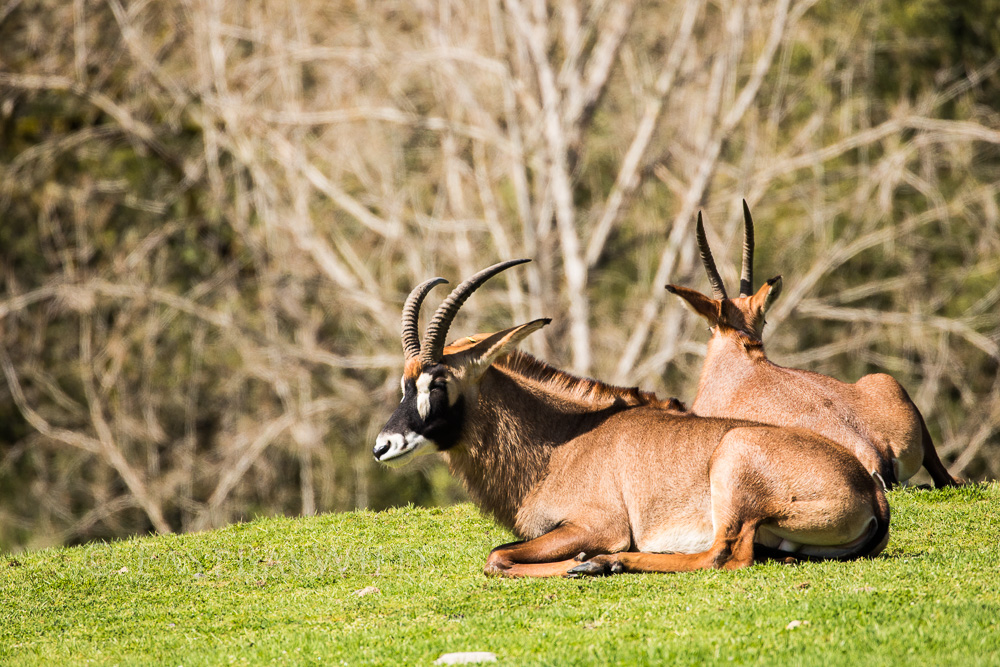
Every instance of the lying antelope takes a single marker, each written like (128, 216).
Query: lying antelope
(583, 470)
(874, 418)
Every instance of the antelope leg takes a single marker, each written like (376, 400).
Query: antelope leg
(732, 549)
(551, 555)
(933, 463)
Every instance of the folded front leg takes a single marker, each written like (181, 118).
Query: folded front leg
(553, 554)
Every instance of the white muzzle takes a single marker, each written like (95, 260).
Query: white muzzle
(395, 449)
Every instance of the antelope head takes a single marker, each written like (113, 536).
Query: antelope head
(440, 383)
(744, 314)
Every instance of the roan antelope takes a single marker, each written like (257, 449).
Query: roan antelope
(583, 470)
(873, 418)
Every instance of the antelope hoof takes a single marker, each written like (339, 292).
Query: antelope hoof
(598, 566)
(590, 569)
(496, 567)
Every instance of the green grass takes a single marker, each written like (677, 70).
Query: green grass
(283, 591)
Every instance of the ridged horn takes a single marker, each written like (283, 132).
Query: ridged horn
(411, 312)
(746, 276)
(718, 289)
(434, 337)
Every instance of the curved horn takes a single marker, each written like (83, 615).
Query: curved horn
(718, 289)
(433, 346)
(411, 311)
(746, 276)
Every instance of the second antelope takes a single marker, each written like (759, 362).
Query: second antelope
(598, 479)
(874, 418)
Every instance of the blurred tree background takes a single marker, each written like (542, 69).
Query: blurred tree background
(211, 212)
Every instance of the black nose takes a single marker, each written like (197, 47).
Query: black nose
(379, 450)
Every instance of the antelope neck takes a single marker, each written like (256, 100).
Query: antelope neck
(729, 341)
(730, 362)
(510, 432)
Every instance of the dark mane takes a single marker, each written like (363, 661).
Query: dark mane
(576, 389)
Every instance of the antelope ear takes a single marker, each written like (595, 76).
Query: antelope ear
(478, 354)
(701, 304)
(766, 295)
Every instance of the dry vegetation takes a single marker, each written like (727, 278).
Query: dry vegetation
(210, 213)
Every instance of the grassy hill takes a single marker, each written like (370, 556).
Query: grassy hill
(405, 586)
